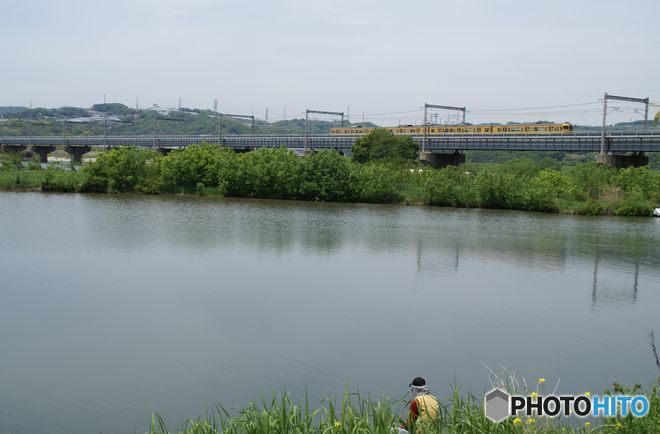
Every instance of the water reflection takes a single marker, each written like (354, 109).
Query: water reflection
(117, 306)
(620, 288)
(438, 237)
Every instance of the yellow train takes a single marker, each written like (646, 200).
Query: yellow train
(434, 130)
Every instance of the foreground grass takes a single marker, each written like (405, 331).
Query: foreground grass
(356, 414)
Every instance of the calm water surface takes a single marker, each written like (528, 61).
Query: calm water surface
(113, 307)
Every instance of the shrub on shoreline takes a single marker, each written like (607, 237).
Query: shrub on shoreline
(278, 173)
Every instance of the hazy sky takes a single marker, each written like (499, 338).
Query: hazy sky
(374, 56)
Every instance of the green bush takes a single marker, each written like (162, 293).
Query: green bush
(382, 144)
(640, 181)
(56, 179)
(123, 170)
(519, 168)
(547, 189)
(325, 176)
(226, 165)
(634, 203)
(266, 173)
(591, 178)
(376, 183)
(587, 207)
(450, 186)
(193, 165)
(10, 161)
(498, 189)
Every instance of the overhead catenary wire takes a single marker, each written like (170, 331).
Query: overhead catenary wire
(497, 112)
(534, 108)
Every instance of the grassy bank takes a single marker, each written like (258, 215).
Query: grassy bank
(356, 414)
(327, 176)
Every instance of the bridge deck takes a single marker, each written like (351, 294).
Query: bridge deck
(639, 142)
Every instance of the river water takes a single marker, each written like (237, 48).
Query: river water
(114, 307)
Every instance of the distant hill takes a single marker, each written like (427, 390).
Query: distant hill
(622, 126)
(11, 109)
(123, 120)
(114, 109)
(17, 120)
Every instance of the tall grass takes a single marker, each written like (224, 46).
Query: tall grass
(355, 414)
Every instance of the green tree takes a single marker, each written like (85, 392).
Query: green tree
(325, 176)
(450, 186)
(591, 178)
(267, 173)
(641, 180)
(547, 188)
(499, 189)
(376, 182)
(10, 161)
(382, 144)
(123, 169)
(193, 165)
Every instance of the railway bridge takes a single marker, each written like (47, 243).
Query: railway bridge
(620, 150)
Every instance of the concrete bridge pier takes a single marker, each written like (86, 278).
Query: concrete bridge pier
(77, 152)
(14, 149)
(617, 161)
(439, 160)
(43, 151)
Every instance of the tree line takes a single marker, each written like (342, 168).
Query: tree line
(382, 170)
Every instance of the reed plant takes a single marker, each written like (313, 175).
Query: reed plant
(357, 414)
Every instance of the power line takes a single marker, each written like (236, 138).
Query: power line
(419, 110)
(535, 108)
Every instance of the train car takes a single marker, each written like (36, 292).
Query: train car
(434, 130)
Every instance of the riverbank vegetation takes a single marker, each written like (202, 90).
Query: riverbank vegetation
(459, 413)
(279, 173)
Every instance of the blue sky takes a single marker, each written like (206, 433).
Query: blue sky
(374, 56)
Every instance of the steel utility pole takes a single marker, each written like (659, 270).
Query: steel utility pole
(230, 115)
(645, 101)
(155, 117)
(441, 107)
(322, 112)
(219, 129)
(603, 140)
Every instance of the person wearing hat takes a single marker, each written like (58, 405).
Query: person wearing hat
(424, 407)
